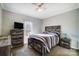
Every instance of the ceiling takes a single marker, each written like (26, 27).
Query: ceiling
(52, 9)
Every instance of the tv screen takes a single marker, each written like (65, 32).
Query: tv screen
(18, 25)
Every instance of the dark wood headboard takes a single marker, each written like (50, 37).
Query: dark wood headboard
(53, 29)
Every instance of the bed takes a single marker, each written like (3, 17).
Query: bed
(43, 43)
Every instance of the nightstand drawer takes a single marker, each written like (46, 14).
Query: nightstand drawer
(65, 43)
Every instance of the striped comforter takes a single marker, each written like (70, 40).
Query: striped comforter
(49, 40)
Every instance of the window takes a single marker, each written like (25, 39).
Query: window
(28, 26)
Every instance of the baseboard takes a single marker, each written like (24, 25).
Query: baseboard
(75, 48)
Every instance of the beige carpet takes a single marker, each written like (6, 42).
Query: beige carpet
(57, 51)
(24, 51)
(60, 51)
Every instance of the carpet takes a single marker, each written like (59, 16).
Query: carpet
(57, 51)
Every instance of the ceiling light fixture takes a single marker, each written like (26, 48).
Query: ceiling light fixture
(39, 7)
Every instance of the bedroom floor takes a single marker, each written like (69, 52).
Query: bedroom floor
(57, 51)
(60, 51)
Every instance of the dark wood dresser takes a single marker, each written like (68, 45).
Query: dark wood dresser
(17, 37)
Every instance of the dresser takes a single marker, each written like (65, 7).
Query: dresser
(17, 38)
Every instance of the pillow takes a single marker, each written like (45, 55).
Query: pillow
(52, 33)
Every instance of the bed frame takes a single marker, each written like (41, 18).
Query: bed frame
(38, 45)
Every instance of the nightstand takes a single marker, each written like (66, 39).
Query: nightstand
(5, 46)
(65, 42)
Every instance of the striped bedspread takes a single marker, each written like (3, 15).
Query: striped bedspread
(49, 40)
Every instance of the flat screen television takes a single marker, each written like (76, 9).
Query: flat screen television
(18, 25)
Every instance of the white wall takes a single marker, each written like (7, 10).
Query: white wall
(78, 28)
(9, 18)
(0, 19)
(68, 22)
